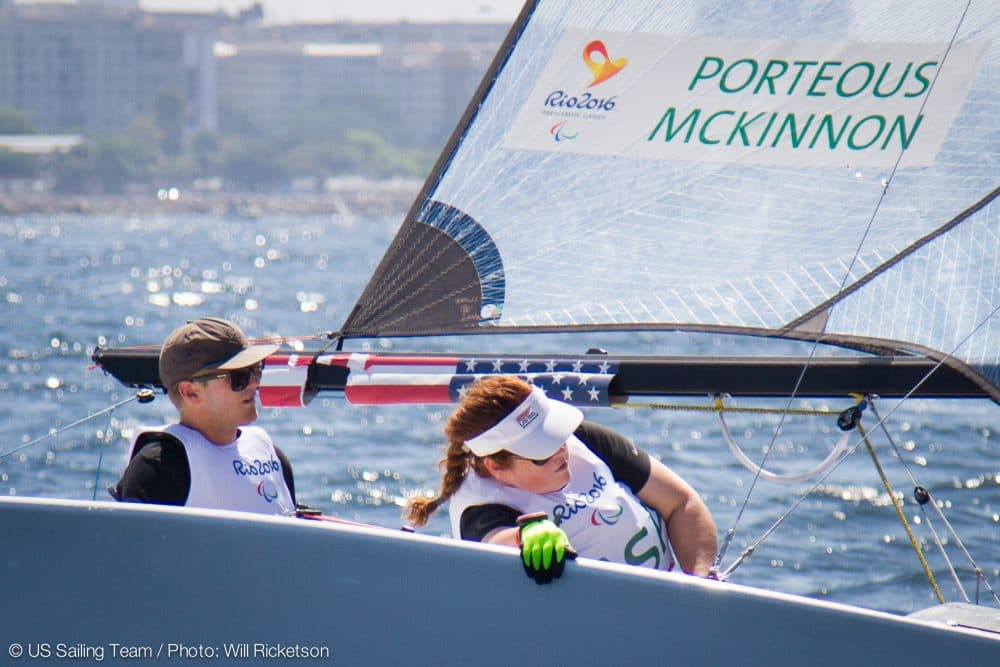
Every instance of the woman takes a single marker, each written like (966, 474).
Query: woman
(532, 456)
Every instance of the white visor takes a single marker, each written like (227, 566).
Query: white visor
(534, 430)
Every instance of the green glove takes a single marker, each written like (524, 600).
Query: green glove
(544, 547)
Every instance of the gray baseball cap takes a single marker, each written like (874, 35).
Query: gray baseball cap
(208, 343)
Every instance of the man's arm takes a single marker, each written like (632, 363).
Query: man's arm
(158, 473)
(286, 472)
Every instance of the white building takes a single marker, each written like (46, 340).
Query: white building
(94, 66)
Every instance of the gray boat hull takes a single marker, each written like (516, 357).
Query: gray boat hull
(169, 580)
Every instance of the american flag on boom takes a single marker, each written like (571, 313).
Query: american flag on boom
(384, 380)
(283, 382)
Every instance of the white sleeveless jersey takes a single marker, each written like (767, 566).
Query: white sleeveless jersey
(601, 516)
(244, 475)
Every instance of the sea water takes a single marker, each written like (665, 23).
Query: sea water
(69, 283)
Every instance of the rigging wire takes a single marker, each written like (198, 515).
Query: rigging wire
(143, 396)
(731, 532)
(902, 516)
(102, 443)
(881, 421)
(924, 497)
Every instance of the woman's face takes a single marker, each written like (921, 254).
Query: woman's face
(531, 475)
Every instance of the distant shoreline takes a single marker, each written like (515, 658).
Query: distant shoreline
(354, 198)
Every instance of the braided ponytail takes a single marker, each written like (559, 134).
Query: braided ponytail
(486, 403)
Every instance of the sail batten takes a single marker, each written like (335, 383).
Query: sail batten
(823, 171)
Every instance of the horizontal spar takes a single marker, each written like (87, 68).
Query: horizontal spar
(636, 376)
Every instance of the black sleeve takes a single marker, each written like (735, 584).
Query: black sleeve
(286, 471)
(629, 464)
(158, 473)
(479, 520)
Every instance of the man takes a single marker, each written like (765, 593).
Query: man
(212, 458)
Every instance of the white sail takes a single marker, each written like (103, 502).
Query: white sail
(808, 169)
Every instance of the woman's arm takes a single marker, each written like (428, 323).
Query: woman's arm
(689, 523)
(505, 536)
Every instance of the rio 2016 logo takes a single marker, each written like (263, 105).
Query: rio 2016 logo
(602, 67)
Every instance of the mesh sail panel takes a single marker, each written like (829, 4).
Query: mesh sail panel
(755, 167)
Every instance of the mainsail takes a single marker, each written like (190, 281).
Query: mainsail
(814, 170)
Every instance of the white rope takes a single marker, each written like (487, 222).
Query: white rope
(759, 471)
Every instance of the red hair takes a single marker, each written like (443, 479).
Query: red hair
(487, 402)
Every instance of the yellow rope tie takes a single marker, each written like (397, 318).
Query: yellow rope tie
(902, 517)
(719, 407)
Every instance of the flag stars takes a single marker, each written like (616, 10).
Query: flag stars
(580, 381)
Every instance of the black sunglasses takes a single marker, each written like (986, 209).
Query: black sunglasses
(539, 462)
(239, 379)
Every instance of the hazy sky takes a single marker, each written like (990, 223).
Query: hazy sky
(289, 11)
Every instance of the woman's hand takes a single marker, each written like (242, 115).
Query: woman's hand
(544, 547)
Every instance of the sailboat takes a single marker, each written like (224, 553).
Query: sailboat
(818, 171)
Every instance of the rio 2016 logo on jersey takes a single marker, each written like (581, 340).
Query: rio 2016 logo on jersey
(255, 468)
(563, 103)
(576, 502)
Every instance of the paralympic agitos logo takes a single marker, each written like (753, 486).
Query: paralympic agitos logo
(267, 490)
(602, 67)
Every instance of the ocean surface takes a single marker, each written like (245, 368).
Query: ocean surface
(69, 283)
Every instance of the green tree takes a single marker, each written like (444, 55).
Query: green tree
(332, 118)
(170, 112)
(113, 164)
(206, 150)
(234, 121)
(251, 164)
(13, 121)
(144, 130)
(74, 172)
(121, 160)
